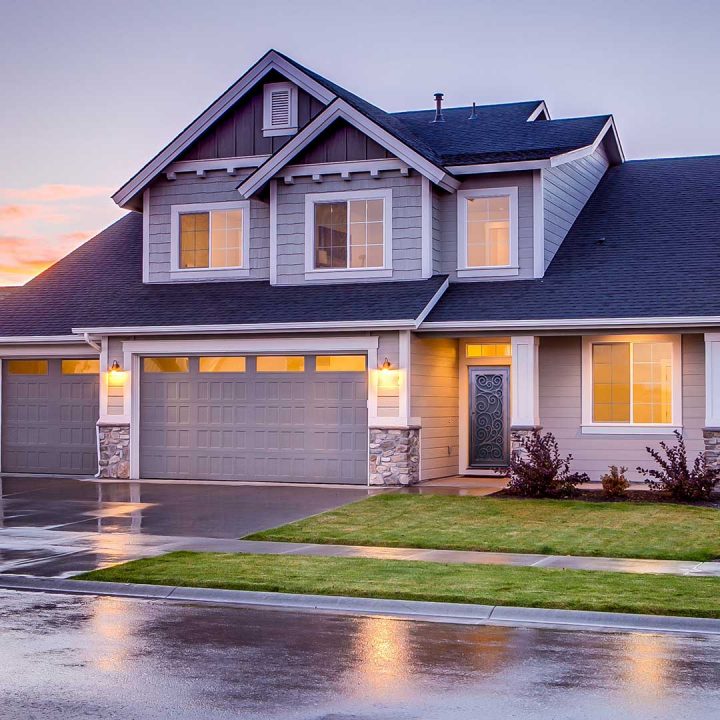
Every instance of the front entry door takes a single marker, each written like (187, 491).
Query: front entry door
(489, 412)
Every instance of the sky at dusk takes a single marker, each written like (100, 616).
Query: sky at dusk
(91, 90)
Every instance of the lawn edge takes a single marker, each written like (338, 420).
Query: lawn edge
(426, 611)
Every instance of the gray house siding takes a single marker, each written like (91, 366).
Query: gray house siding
(561, 408)
(217, 186)
(239, 132)
(448, 254)
(566, 189)
(406, 222)
(342, 143)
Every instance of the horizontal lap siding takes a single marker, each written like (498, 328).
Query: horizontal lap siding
(561, 409)
(217, 186)
(447, 210)
(434, 399)
(566, 189)
(388, 398)
(406, 222)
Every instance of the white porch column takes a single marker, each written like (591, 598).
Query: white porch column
(524, 382)
(712, 381)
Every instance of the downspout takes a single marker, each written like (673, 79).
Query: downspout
(95, 346)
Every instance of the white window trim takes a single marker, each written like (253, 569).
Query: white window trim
(311, 273)
(463, 269)
(194, 274)
(270, 130)
(589, 427)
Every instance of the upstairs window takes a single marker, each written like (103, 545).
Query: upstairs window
(280, 115)
(210, 237)
(348, 231)
(487, 231)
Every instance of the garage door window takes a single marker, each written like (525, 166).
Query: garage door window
(166, 364)
(280, 363)
(340, 363)
(222, 364)
(80, 367)
(27, 367)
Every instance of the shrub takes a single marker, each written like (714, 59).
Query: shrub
(537, 470)
(614, 482)
(676, 477)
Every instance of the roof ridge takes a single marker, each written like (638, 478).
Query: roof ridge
(468, 107)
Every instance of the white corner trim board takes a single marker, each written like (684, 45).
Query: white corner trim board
(426, 229)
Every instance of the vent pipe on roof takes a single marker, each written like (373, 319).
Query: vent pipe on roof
(473, 114)
(438, 108)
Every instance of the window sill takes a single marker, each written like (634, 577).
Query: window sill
(504, 271)
(194, 275)
(279, 132)
(625, 429)
(366, 274)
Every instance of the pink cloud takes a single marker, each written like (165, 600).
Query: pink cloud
(54, 193)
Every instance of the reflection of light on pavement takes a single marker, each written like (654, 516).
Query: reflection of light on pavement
(382, 649)
(646, 664)
(111, 509)
(113, 624)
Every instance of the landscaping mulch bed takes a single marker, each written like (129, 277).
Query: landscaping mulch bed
(632, 496)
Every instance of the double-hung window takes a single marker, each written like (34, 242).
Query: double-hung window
(209, 238)
(632, 381)
(488, 232)
(348, 232)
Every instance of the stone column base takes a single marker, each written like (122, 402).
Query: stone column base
(114, 442)
(394, 456)
(711, 436)
(517, 435)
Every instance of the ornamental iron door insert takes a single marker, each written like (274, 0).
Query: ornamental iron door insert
(489, 412)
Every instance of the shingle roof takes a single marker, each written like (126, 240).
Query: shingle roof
(100, 285)
(646, 244)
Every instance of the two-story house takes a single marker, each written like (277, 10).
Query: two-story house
(307, 288)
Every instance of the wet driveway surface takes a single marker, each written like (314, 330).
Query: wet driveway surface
(58, 527)
(70, 657)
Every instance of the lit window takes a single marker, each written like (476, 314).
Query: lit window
(212, 239)
(280, 363)
(222, 364)
(340, 363)
(632, 382)
(27, 367)
(349, 234)
(488, 231)
(166, 364)
(80, 367)
(489, 350)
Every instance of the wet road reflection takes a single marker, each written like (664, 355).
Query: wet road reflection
(69, 657)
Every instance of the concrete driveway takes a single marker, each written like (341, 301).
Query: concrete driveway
(58, 527)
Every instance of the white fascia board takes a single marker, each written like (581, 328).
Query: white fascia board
(483, 168)
(432, 303)
(339, 109)
(539, 110)
(271, 61)
(590, 149)
(41, 340)
(253, 328)
(572, 324)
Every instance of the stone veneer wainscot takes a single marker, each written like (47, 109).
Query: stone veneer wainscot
(394, 456)
(114, 442)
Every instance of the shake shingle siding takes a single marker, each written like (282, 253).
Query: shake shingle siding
(566, 189)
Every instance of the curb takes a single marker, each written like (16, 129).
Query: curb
(454, 613)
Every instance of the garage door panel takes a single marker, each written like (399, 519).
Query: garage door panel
(299, 426)
(48, 421)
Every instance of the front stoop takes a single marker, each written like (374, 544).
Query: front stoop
(114, 446)
(395, 456)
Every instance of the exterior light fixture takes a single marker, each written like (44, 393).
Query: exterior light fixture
(115, 367)
(387, 365)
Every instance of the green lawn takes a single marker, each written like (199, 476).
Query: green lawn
(415, 580)
(560, 527)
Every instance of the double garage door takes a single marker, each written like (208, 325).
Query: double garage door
(49, 410)
(254, 418)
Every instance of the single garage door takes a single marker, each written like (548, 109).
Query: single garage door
(49, 411)
(264, 418)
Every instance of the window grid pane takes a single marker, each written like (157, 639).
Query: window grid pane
(488, 350)
(226, 238)
(366, 233)
(611, 382)
(194, 240)
(488, 231)
(652, 383)
(331, 235)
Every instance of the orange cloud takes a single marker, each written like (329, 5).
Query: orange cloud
(54, 193)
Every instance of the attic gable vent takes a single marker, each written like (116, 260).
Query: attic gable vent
(279, 109)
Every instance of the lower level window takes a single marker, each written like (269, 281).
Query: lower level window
(27, 367)
(340, 363)
(80, 367)
(166, 364)
(632, 382)
(280, 363)
(212, 239)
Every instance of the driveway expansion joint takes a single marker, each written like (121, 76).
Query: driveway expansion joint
(425, 611)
